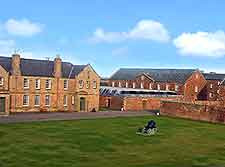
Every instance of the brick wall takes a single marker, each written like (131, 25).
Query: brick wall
(210, 113)
(113, 102)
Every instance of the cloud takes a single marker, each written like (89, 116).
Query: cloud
(143, 30)
(211, 44)
(23, 27)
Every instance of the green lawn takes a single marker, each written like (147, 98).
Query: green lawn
(112, 143)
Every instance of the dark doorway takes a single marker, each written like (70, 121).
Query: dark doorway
(144, 104)
(108, 103)
(82, 104)
(2, 104)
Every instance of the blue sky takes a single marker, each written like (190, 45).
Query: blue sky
(111, 34)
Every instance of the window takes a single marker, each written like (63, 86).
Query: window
(142, 77)
(196, 76)
(65, 100)
(211, 86)
(81, 84)
(210, 95)
(88, 74)
(142, 85)
(47, 100)
(48, 84)
(37, 83)
(134, 85)
(196, 89)
(1, 81)
(37, 100)
(94, 84)
(176, 87)
(25, 100)
(65, 84)
(158, 86)
(150, 86)
(167, 87)
(113, 84)
(73, 100)
(126, 84)
(119, 84)
(87, 84)
(26, 83)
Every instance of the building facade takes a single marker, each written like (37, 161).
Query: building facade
(28, 85)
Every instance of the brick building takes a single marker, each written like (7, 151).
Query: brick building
(28, 85)
(186, 82)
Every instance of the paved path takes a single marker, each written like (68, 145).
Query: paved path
(30, 117)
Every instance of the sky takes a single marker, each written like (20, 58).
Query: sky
(112, 34)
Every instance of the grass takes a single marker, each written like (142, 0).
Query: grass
(112, 142)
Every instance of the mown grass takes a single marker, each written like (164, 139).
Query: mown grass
(112, 142)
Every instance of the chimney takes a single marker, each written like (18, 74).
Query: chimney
(16, 65)
(57, 67)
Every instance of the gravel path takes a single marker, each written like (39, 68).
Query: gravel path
(30, 117)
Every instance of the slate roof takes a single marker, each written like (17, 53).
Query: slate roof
(159, 75)
(42, 68)
(214, 76)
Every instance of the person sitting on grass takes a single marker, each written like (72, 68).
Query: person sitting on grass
(151, 125)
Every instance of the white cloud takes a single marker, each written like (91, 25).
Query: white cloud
(211, 44)
(23, 27)
(144, 30)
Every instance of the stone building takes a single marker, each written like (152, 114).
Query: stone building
(29, 85)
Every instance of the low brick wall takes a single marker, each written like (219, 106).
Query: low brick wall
(194, 111)
(111, 102)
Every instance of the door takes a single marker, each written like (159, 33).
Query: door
(82, 104)
(108, 103)
(2, 104)
(144, 104)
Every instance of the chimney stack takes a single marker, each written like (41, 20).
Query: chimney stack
(57, 67)
(15, 65)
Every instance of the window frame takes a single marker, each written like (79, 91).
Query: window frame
(37, 81)
(49, 100)
(72, 100)
(27, 100)
(94, 84)
(1, 81)
(49, 83)
(81, 84)
(65, 99)
(65, 83)
(28, 83)
(39, 102)
(196, 89)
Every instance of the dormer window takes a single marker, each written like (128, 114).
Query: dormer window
(48, 84)
(1, 81)
(26, 83)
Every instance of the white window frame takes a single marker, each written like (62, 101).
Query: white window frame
(81, 84)
(28, 83)
(65, 84)
(37, 84)
(113, 84)
(26, 103)
(38, 101)
(134, 85)
(65, 100)
(150, 86)
(1, 81)
(49, 84)
(211, 85)
(49, 100)
(176, 87)
(94, 84)
(120, 84)
(196, 89)
(142, 85)
(87, 84)
(210, 95)
(167, 87)
(158, 87)
(126, 84)
(72, 100)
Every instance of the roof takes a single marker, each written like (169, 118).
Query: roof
(159, 75)
(44, 68)
(214, 76)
